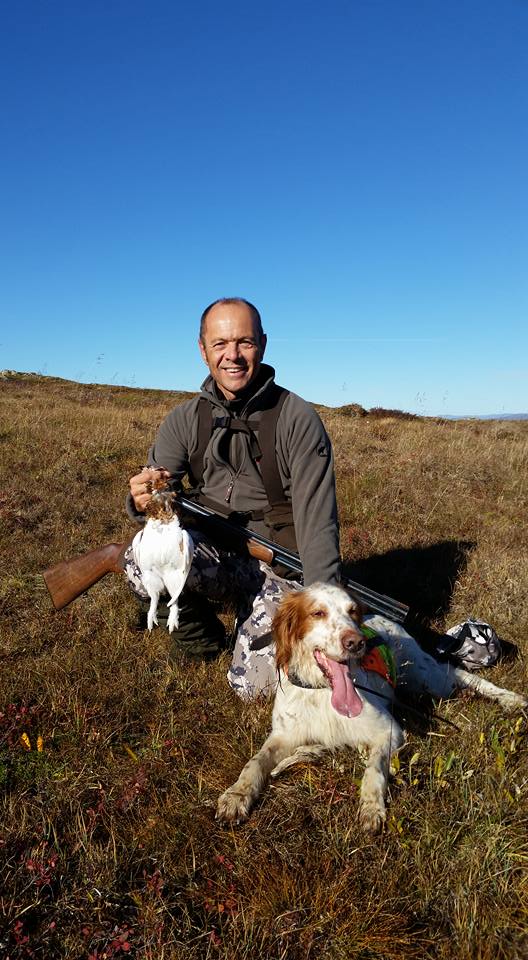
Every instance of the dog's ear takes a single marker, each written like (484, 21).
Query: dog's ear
(287, 626)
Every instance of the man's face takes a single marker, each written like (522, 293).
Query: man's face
(231, 347)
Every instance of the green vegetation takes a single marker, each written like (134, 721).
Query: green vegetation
(111, 760)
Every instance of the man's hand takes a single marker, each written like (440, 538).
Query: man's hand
(142, 484)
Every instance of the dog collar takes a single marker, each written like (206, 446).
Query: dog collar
(297, 682)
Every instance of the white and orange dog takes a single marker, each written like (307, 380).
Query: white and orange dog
(333, 692)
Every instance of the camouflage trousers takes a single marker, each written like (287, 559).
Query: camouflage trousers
(253, 588)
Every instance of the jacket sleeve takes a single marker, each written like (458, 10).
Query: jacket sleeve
(169, 450)
(310, 462)
(171, 446)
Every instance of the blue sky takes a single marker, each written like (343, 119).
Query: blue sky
(357, 169)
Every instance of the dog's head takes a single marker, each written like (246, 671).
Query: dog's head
(321, 622)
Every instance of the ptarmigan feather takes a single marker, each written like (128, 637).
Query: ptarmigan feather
(163, 552)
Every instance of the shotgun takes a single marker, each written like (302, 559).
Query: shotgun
(68, 580)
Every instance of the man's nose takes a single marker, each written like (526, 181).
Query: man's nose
(233, 351)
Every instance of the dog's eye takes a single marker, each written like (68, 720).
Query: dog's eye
(318, 613)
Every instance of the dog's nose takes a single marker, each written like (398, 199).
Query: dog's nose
(353, 642)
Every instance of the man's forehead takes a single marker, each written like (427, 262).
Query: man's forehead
(230, 319)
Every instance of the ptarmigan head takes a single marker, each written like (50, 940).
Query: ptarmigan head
(161, 506)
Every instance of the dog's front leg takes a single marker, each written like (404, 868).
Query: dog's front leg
(238, 800)
(375, 779)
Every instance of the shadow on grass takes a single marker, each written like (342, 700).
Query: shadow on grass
(421, 577)
(424, 579)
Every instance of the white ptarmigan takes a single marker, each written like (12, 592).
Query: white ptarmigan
(163, 552)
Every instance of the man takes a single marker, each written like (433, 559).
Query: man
(261, 454)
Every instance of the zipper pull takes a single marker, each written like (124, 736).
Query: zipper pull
(229, 491)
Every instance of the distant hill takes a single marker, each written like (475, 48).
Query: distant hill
(347, 410)
(488, 416)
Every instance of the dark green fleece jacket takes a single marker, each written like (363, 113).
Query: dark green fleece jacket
(304, 458)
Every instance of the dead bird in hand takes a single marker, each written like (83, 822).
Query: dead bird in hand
(163, 551)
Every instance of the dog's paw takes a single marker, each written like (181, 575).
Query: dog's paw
(233, 806)
(513, 701)
(371, 817)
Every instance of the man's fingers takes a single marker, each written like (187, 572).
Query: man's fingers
(156, 471)
(142, 484)
(142, 502)
(149, 473)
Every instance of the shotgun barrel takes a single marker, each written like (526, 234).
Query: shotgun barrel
(376, 602)
(69, 579)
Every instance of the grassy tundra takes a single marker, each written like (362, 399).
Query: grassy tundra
(111, 762)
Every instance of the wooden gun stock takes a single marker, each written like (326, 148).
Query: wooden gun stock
(259, 551)
(67, 580)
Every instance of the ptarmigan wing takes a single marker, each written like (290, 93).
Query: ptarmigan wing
(163, 553)
(175, 577)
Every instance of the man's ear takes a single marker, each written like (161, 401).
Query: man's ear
(263, 342)
(202, 351)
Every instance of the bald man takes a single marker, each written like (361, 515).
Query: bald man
(256, 453)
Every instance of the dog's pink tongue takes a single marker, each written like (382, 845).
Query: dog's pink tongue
(344, 697)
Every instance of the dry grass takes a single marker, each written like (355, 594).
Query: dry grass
(108, 843)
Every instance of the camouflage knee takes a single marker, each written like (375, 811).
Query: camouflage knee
(133, 575)
(252, 671)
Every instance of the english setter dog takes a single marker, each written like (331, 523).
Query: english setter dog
(336, 683)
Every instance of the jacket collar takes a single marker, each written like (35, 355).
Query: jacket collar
(243, 404)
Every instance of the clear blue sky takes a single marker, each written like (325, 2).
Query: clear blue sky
(357, 168)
